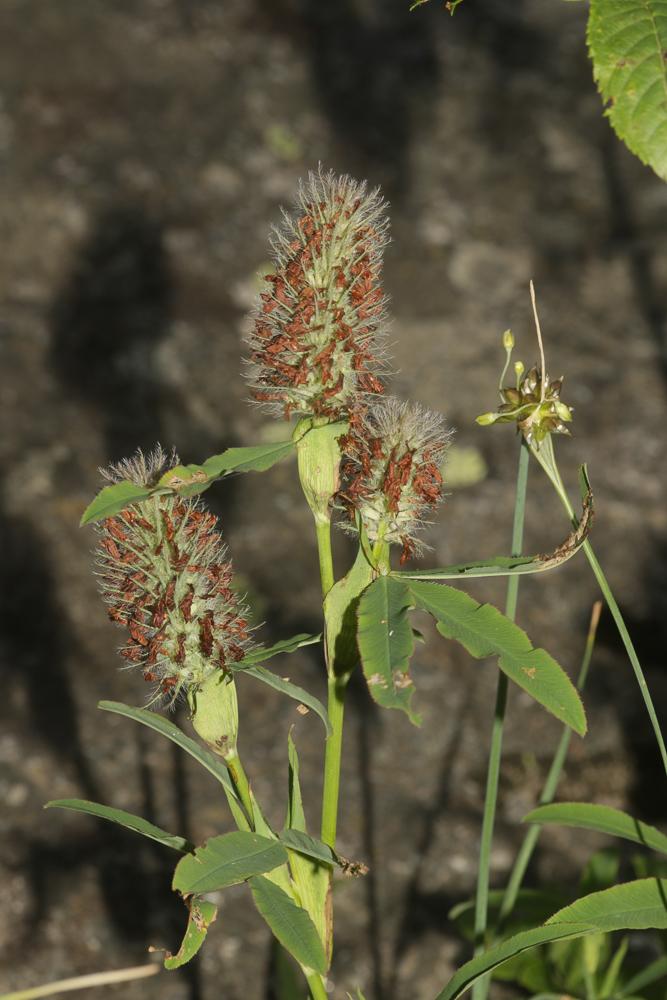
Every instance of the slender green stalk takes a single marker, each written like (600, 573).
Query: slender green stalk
(317, 988)
(241, 784)
(550, 785)
(323, 529)
(493, 775)
(86, 982)
(332, 760)
(547, 459)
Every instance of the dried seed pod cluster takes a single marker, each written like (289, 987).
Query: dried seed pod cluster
(316, 343)
(394, 455)
(534, 405)
(164, 576)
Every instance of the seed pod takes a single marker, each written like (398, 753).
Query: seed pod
(393, 479)
(534, 405)
(316, 344)
(165, 576)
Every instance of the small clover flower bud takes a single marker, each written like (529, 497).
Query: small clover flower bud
(534, 405)
(165, 577)
(316, 344)
(395, 453)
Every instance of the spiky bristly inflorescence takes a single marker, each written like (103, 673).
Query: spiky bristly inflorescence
(165, 576)
(317, 339)
(394, 454)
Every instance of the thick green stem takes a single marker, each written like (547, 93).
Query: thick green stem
(547, 459)
(317, 988)
(550, 785)
(493, 775)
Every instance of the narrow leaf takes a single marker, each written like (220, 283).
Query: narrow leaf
(631, 906)
(627, 40)
(517, 565)
(603, 819)
(290, 924)
(500, 953)
(255, 458)
(112, 499)
(208, 760)
(285, 646)
(485, 631)
(286, 687)
(386, 643)
(651, 974)
(135, 823)
(312, 848)
(227, 860)
(201, 916)
(296, 819)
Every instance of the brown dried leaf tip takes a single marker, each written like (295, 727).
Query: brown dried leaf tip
(394, 456)
(165, 577)
(316, 344)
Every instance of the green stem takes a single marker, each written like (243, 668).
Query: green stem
(323, 529)
(83, 982)
(550, 785)
(241, 784)
(480, 989)
(317, 988)
(547, 459)
(332, 759)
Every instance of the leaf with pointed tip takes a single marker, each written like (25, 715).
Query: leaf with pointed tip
(135, 823)
(208, 760)
(485, 631)
(290, 924)
(112, 499)
(627, 41)
(517, 565)
(227, 860)
(386, 643)
(303, 843)
(201, 916)
(284, 646)
(489, 960)
(603, 819)
(286, 687)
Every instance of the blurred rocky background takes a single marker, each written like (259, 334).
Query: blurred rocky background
(145, 148)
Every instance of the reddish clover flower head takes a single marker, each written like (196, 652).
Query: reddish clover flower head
(394, 455)
(165, 577)
(316, 344)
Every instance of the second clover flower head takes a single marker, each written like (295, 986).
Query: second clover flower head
(317, 339)
(392, 470)
(165, 577)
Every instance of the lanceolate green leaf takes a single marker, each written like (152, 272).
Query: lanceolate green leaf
(386, 643)
(187, 480)
(112, 499)
(290, 924)
(208, 760)
(309, 846)
(135, 823)
(632, 906)
(340, 606)
(603, 819)
(286, 687)
(201, 916)
(627, 40)
(491, 959)
(484, 631)
(285, 646)
(227, 860)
